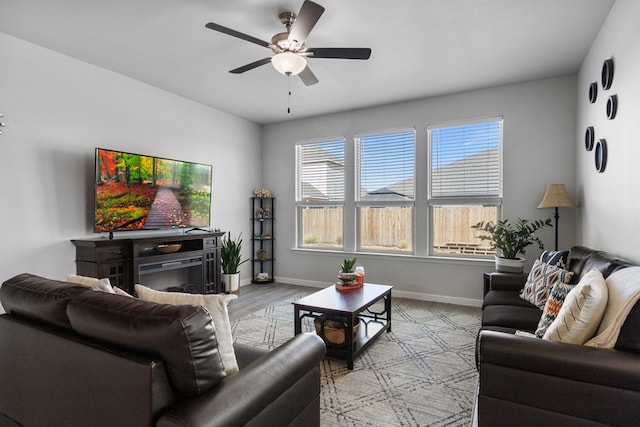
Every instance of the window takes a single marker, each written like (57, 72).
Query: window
(385, 195)
(320, 194)
(465, 185)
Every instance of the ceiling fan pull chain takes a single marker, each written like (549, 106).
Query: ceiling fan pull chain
(289, 95)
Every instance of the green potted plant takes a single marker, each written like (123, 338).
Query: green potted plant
(511, 240)
(347, 274)
(231, 258)
(348, 265)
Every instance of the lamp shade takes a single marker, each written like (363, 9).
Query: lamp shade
(556, 196)
(289, 63)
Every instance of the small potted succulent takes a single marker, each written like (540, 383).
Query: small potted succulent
(347, 273)
(511, 240)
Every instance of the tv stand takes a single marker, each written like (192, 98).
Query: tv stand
(127, 261)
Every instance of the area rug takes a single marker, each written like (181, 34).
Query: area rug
(422, 373)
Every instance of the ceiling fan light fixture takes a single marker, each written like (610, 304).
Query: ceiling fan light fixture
(289, 63)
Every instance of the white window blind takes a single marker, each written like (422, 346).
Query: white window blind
(320, 171)
(386, 166)
(466, 160)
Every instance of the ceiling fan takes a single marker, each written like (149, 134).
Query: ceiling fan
(291, 51)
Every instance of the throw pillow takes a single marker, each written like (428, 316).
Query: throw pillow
(103, 285)
(581, 312)
(217, 307)
(118, 291)
(551, 309)
(624, 292)
(540, 281)
(557, 258)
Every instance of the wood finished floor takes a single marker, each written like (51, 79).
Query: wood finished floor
(256, 296)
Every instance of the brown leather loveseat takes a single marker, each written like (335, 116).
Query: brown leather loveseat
(528, 381)
(71, 356)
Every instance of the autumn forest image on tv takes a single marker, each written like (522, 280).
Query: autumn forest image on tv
(136, 192)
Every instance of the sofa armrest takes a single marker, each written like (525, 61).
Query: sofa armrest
(506, 281)
(253, 395)
(555, 381)
(613, 368)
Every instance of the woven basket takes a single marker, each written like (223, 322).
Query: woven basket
(334, 330)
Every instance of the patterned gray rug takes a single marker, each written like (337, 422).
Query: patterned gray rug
(420, 374)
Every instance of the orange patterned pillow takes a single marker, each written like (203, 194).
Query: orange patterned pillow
(552, 307)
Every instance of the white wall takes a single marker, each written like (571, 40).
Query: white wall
(609, 217)
(57, 110)
(539, 149)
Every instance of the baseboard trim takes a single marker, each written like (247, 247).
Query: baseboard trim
(469, 302)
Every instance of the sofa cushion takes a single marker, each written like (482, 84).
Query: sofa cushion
(582, 260)
(39, 298)
(217, 307)
(556, 298)
(506, 316)
(505, 298)
(581, 312)
(624, 291)
(182, 336)
(541, 280)
(629, 338)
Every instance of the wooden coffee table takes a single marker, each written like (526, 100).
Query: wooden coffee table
(348, 306)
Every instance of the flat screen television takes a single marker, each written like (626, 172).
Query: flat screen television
(137, 192)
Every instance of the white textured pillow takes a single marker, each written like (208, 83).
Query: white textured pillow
(217, 307)
(103, 285)
(581, 312)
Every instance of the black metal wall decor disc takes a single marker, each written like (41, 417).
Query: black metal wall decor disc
(589, 138)
(612, 107)
(607, 73)
(593, 92)
(601, 155)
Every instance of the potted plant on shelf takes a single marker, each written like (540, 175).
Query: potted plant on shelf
(511, 240)
(231, 258)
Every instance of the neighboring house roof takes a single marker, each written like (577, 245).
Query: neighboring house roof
(404, 189)
(312, 193)
(314, 154)
(384, 195)
(446, 179)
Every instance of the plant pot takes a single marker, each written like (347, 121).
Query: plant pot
(231, 283)
(505, 265)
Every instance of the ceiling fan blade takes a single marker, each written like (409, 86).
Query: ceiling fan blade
(251, 66)
(307, 76)
(309, 14)
(238, 34)
(341, 52)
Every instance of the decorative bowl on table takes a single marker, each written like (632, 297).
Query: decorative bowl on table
(168, 248)
(348, 281)
(347, 278)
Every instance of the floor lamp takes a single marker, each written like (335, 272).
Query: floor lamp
(556, 197)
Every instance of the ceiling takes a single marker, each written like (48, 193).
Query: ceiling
(420, 48)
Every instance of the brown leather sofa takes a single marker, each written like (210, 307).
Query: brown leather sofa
(533, 382)
(146, 364)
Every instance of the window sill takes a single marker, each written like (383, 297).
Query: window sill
(489, 262)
